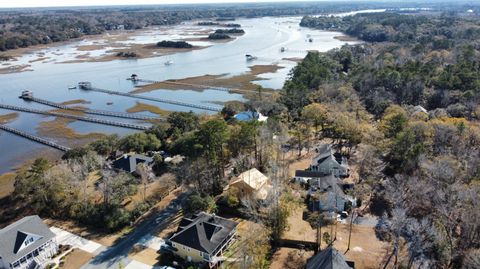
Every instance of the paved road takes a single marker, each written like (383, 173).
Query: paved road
(118, 253)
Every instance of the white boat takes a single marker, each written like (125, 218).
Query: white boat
(72, 87)
(250, 57)
(169, 62)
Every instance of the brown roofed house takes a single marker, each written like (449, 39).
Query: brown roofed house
(251, 183)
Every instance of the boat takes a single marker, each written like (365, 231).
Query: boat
(250, 57)
(72, 87)
(169, 62)
(109, 103)
(282, 49)
(310, 40)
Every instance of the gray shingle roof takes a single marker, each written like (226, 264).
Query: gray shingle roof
(13, 236)
(129, 163)
(205, 232)
(329, 258)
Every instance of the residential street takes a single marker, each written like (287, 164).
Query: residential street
(117, 255)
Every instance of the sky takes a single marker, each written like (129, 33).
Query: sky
(59, 3)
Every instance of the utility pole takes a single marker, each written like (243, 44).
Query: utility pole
(350, 232)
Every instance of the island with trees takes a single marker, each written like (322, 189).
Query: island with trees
(174, 44)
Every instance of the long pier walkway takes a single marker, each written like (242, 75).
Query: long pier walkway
(207, 87)
(76, 117)
(89, 111)
(34, 138)
(161, 100)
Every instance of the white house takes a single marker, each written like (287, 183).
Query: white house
(27, 243)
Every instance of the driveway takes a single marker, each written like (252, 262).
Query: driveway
(117, 254)
(66, 238)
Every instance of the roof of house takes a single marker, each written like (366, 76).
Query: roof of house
(13, 237)
(329, 258)
(420, 108)
(253, 178)
(309, 173)
(203, 232)
(129, 163)
(250, 115)
(324, 152)
(325, 182)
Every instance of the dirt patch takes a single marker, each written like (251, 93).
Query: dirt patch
(143, 254)
(6, 184)
(242, 81)
(153, 190)
(76, 259)
(346, 38)
(298, 229)
(293, 59)
(91, 47)
(75, 102)
(290, 258)
(15, 69)
(365, 249)
(39, 59)
(142, 107)
(8, 117)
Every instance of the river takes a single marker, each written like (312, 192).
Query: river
(49, 79)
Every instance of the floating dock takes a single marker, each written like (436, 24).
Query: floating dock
(34, 138)
(89, 111)
(75, 117)
(88, 87)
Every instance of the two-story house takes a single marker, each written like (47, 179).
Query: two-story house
(27, 243)
(203, 238)
(327, 163)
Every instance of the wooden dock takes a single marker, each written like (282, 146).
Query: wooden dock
(34, 138)
(75, 117)
(161, 100)
(90, 111)
(206, 87)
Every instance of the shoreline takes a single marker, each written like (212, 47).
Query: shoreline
(243, 81)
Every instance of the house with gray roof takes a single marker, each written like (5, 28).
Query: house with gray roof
(203, 238)
(329, 258)
(128, 163)
(27, 243)
(326, 162)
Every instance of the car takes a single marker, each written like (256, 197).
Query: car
(166, 267)
(344, 214)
